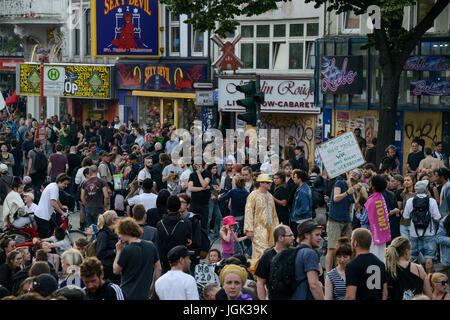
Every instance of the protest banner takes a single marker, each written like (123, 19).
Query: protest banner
(341, 154)
(378, 215)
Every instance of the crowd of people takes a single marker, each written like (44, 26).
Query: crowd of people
(151, 220)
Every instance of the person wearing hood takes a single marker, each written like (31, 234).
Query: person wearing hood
(173, 230)
(422, 239)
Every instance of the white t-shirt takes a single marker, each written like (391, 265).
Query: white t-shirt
(147, 199)
(176, 285)
(31, 209)
(63, 245)
(435, 215)
(144, 174)
(44, 209)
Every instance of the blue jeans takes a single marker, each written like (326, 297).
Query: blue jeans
(214, 208)
(425, 245)
(404, 231)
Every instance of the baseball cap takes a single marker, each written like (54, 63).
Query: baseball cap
(3, 168)
(45, 284)
(307, 226)
(132, 157)
(178, 252)
(71, 292)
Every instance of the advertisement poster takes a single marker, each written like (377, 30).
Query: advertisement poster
(125, 28)
(427, 63)
(81, 81)
(281, 95)
(369, 129)
(341, 74)
(160, 77)
(342, 121)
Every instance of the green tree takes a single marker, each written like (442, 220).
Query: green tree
(393, 42)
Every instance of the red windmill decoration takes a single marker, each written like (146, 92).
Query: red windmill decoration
(228, 60)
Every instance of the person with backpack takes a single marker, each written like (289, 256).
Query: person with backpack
(37, 166)
(51, 137)
(422, 210)
(306, 263)
(284, 238)
(173, 230)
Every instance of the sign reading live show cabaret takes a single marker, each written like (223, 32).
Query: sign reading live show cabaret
(341, 75)
(427, 63)
(80, 81)
(281, 95)
(160, 77)
(125, 28)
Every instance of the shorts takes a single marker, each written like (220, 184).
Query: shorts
(335, 230)
(425, 245)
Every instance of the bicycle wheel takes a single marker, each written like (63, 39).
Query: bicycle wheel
(18, 237)
(73, 235)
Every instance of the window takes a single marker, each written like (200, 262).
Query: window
(423, 7)
(247, 31)
(262, 55)
(296, 30)
(198, 41)
(279, 30)
(77, 41)
(247, 55)
(280, 46)
(312, 29)
(174, 34)
(296, 56)
(351, 20)
(88, 31)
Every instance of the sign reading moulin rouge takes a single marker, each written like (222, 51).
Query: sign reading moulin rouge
(344, 80)
(281, 95)
(125, 28)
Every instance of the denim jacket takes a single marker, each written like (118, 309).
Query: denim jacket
(302, 207)
(444, 243)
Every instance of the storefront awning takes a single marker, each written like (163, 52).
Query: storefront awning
(162, 94)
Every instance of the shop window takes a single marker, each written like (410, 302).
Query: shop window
(262, 55)
(263, 31)
(198, 41)
(247, 31)
(188, 112)
(341, 48)
(310, 60)
(375, 79)
(312, 29)
(279, 30)
(360, 100)
(247, 55)
(296, 30)
(296, 56)
(149, 108)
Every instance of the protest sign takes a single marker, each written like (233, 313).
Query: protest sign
(341, 154)
(378, 215)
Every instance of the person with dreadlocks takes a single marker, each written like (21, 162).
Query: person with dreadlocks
(405, 278)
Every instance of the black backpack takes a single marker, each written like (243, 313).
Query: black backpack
(41, 162)
(420, 215)
(282, 282)
(53, 136)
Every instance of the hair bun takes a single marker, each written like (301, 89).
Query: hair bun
(342, 240)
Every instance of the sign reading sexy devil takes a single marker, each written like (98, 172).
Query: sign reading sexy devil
(125, 28)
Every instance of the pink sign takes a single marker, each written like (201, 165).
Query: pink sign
(378, 215)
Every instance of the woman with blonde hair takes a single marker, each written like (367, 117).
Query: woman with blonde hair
(71, 260)
(439, 283)
(408, 183)
(106, 240)
(405, 279)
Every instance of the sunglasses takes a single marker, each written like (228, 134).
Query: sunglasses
(443, 282)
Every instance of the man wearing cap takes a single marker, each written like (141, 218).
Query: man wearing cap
(104, 171)
(307, 262)
(422, 240)
(177, 284)
(137, 261)
(260, 218)
(44, 284)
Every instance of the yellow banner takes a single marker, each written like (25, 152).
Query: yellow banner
(82, 81)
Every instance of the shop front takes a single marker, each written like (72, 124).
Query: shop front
(160, 92)
(424, 95)
(289, 106)
(8, 75)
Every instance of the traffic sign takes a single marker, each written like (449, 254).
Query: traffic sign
(202, 85)
(54, 78)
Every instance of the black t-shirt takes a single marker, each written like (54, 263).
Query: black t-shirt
(106, 134)
(137, 260)
(388, 164)
(200, 197)
(93, 189)
(263, 269)
(291, 188)
(414, 159)
(74, 160)
(27, 146)
(108, 291)
(282, 212)
(368, 274)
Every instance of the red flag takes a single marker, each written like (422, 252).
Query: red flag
(13, 99)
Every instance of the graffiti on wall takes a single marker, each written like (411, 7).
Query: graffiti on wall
(300, 128)
(423, 130)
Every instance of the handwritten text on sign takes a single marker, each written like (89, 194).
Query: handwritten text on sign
(341, 154)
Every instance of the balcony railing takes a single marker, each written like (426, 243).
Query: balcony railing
(32, 8)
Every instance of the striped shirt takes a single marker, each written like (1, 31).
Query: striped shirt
(339, 286)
